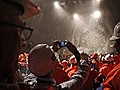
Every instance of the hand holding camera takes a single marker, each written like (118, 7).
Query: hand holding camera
(58, 44)
(62, 44)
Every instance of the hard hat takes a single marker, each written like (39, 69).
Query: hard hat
(30, 9)
(72, 57)
(72, 60)
(116, 34)
(26, 7)
(41, 60)
(64, 61)
(94, 56)
(108, 57)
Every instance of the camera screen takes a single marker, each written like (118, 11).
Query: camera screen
(62, 43)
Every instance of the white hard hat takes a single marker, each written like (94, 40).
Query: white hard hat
(72, 60)
(108, 57)
(41, 60)
(116, 34)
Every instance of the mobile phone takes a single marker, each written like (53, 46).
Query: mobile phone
(62, 43)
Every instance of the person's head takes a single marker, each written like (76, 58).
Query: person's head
(73, 60)
(64, 63)
(116, 37)
(11, 35)
(108, 58)
(94, 56)
(42, 60)
(84, 56)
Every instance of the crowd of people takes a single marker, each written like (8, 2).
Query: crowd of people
(100, 65)
(41, 68)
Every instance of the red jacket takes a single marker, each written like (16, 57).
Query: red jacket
(112, 81)
(89, 82)
(60, 75)
(71, 70)
(117, 59)
(74, 83)
(106, 68)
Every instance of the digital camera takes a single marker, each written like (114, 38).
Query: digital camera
(62, 43)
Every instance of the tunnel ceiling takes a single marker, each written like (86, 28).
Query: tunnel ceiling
(50, 24)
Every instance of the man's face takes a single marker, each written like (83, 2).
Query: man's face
(117, 45)
(10, 45)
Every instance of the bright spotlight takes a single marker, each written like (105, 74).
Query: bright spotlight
(97, 14)
(98, 0)
(56, 4)
(75, 16)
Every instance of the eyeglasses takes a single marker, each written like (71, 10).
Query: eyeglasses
(27, 31)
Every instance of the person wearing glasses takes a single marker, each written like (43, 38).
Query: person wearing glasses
(12, 34)
(112, 80)
(42, 60)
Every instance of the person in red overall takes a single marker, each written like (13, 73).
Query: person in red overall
(42, 60)
(73, 66)
(116, 59)
(94, 60)
(59, 74)
(107, 65)
(112, 81)
(65, 65)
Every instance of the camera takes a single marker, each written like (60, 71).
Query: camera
(62, 43)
